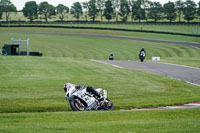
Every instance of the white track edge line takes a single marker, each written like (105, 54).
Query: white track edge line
(177, 65)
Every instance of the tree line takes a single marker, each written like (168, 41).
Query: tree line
(120, 10)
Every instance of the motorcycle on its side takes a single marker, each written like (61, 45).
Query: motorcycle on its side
(81, 100)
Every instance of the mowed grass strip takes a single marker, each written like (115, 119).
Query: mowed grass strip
(30, 84)
(179, 120)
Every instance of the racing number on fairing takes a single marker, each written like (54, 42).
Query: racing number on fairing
(84, 96)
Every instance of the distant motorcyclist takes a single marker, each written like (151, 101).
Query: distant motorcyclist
(142, 54)
(111, 56)
(89, 89)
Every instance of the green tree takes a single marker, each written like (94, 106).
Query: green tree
(47, 10)
(133, 5)
(86, 7)
(1, 13)
(179, 5)
(170, 11)
(198, 12)
(156, 11)
(137, 12)
(108, 11)
(116, 6)
(189, 11)
(30, 10)
(76, 10)
(61, 11)
(93, 11)
(146, 5)
(124, 10)
(7, 7)
(100, 7)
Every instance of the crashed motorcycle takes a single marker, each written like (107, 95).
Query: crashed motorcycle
(81, 100)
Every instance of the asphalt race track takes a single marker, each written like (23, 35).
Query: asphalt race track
(185, 73)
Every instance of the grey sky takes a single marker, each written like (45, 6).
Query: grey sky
(20, 3)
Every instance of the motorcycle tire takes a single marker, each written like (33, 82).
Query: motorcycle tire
(75, 105)
(141, 59)
(110, 107)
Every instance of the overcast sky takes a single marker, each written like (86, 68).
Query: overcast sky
(20, 3)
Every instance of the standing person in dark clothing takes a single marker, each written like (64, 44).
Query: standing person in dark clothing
(142, 54)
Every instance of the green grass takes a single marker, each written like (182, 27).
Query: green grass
(58, 45)
(183, 61)
(36, 84)
(174, 28)
(11, 32)
(188, 29)
(179, 121)
(177, 28)
(29, 85)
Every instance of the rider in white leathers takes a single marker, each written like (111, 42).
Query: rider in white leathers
(89, 89)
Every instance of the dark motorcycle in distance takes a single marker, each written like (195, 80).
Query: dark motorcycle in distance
(142, 55)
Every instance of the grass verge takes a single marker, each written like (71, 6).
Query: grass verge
(179, 120)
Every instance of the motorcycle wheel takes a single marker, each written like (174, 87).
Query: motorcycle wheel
(108, 105)
(141, 59)
(76, 105)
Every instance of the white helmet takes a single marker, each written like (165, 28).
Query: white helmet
(67, 86)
